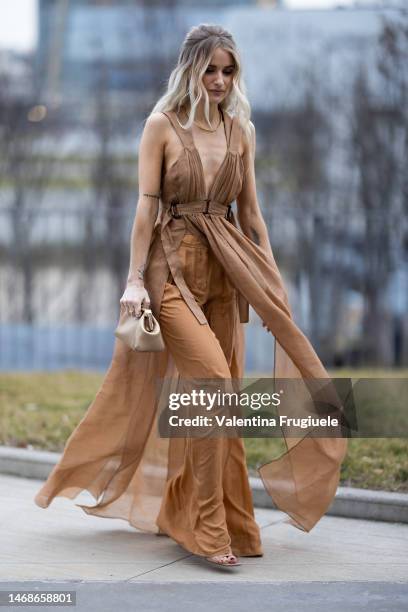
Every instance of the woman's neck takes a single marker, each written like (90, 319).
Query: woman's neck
(213, 113)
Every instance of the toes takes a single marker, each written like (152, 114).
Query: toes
(227, 559)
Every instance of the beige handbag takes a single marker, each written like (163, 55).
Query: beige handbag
(140, 333)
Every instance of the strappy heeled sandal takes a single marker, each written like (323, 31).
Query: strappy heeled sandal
(227, 563)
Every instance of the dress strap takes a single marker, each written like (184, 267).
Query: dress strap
(184, 135)
(235, 134)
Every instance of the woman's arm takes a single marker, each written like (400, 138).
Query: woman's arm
(149, 173)
(248, 211)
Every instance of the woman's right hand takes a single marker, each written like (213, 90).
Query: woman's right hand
(133, 298)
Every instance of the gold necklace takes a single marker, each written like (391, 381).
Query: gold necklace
(206, 129)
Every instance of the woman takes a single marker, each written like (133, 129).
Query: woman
(198, 271)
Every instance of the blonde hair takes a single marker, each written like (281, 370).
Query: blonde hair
(185, 86)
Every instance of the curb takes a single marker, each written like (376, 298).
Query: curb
(349, 502)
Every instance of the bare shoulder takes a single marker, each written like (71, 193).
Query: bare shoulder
(157, 120)
(248, 139)
(156, 123)
(155, 130)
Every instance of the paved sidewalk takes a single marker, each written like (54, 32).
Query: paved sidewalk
(341, 560)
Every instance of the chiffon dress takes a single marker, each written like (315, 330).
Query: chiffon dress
(202, 273)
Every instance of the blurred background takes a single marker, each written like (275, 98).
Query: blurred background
(328, 85)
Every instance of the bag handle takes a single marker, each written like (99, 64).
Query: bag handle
(148, 320)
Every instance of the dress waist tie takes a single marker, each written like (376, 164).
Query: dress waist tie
(175, 211)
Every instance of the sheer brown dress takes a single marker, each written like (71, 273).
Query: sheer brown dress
(116, 452)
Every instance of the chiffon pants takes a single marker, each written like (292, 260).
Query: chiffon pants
(207, 505)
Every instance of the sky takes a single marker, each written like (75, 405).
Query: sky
(18, 19)
(18, 24)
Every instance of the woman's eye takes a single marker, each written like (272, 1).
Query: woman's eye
(225, 72)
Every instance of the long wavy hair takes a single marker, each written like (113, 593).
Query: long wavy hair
(185, 87)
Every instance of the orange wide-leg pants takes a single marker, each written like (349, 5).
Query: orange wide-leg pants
(207, 505)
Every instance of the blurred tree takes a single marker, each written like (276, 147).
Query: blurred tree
(379, 143)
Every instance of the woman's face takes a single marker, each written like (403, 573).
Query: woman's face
(217, 78)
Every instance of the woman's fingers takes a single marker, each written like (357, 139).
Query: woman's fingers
(132, 306)
(134, 300)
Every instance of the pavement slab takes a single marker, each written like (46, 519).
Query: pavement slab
(342, 561)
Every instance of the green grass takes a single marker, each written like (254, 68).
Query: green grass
(41, 409)
(371, 463)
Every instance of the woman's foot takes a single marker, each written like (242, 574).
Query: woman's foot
(159, 532)
(227, 560)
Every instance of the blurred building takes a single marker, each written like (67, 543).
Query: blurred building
(126, 47)
(16, 73)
